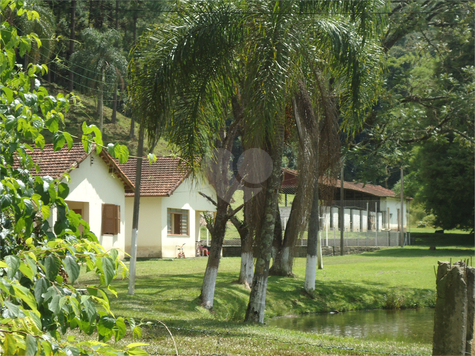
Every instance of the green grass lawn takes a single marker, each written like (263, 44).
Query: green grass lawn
(169, 290)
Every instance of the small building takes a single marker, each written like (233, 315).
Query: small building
(170, 208)
(367, 207)
(97, 189)
(102, 192)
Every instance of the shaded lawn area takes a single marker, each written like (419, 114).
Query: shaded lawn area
(388, 278)
(168, 291)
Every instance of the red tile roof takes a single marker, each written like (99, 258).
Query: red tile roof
(375, 190)
(158, 179)
(56, 163)
(290, 179)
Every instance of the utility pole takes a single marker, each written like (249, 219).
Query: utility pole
(135, 218)
(342, 209)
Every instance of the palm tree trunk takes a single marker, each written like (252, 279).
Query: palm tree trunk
(246, 273)
(217, 231)
(257, 300)
(283, 260)
(313, 230)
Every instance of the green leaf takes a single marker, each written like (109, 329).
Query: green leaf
(8, 93)
(36, 319)
(152, 158)
(26, 270)
(13, 263)
(41, 287)
(40, 141)
(120, 329)
(54, 304)
(47, 349)
(86, 130)
(105, 327)
(75, 305)
(20, 225)
(63, 190)
(25, 295)
(46, 211)
(122, 153)
(86, 143)
(89, 307)
(137, 332)
(14, 309)
(58, 141)
(108, 269)
(68, 139)
(9, 345)
(136, 352)
(51, 267)
(52, 123)
(72, 268)
(31, 345)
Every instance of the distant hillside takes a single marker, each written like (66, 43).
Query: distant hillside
(86, 111)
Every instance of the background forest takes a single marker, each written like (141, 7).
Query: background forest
(423, 120)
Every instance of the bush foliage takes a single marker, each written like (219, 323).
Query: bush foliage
(40, 262)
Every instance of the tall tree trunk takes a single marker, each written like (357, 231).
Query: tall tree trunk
(313, 231)
(117, 15)
(246, 273)
(217, 231)
(132, 122)
(283, 260)
(132, 127)
(257, 300)
(114, 105)
(100, 102)
(72, 37)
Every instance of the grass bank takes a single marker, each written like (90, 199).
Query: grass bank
(169, 290)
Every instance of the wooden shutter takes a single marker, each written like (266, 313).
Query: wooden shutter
(110, 219)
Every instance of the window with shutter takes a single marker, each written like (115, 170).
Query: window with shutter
(110, 219)
(177, 222)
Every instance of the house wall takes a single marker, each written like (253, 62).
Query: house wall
(153, 240)
(149, 242)
(185, 197)
(91, 186)
(394, 206)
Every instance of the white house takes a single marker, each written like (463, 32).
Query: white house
(96, 191)
(170, 208)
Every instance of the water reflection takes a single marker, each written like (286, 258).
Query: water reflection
(410, 325)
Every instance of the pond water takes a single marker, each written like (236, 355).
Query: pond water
(409, 325)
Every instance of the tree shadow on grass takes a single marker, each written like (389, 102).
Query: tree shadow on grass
(422, 252)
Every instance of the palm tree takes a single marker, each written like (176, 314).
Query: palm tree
(100, 63)
(213, 54)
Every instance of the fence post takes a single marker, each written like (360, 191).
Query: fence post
(377, 220)
(454, 316)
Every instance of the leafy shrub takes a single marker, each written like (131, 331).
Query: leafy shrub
(39, 263)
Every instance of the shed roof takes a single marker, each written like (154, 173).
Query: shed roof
(160, 178)
(290, 181)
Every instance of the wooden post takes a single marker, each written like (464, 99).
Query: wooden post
(454, 310)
